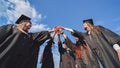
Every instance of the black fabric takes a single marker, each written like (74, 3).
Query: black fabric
(118, 43)
(101, 44)
(87, 59)
(19, 50)
(67, 59)
(88, 21)
(81, 64)
(47, 60)
(21, 18)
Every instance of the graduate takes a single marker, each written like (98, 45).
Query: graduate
(18, 47)
(47, 58)
(67, 57)
(84, 58)
(103, 43)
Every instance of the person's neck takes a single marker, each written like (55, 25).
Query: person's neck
(88, 30)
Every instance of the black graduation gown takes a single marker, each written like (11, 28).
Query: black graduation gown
(67, 59)
(47, 60)
(19, 50)
(87, 59)
(101, 45)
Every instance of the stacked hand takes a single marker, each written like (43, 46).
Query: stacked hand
(58, 29)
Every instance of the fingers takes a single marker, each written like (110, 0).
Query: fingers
(58, 29)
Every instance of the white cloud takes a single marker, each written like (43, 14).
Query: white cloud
(39, 27)
(12, 9)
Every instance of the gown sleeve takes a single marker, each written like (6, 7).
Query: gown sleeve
(47, 50)
(69, 44)
(78, 34)
(110, 36)
(5, 31)
(41, 37)
(60, 48)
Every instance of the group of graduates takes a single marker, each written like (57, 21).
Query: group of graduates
(19, 48)
(72, 55)
(98, 47)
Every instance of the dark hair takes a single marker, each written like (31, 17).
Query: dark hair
(80, 42)
(64, 42)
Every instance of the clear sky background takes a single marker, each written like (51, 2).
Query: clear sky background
(46, 14)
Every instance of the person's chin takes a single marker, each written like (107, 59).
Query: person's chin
(85, 28)
(28, 28)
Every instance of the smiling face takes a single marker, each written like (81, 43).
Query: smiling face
(27, 25)
(86, 27)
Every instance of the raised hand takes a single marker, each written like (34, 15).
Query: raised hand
(58, 29)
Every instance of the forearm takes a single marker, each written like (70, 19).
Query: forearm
(78, 34)
(59, 40)
(74, 32)
(68, 29)
(41, 36)
(53, 35)
(50, 31)
(65, 37)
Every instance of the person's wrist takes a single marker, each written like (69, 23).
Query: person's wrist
(58, 34)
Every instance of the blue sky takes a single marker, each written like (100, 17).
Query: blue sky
(46, 14)
(70, 13)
